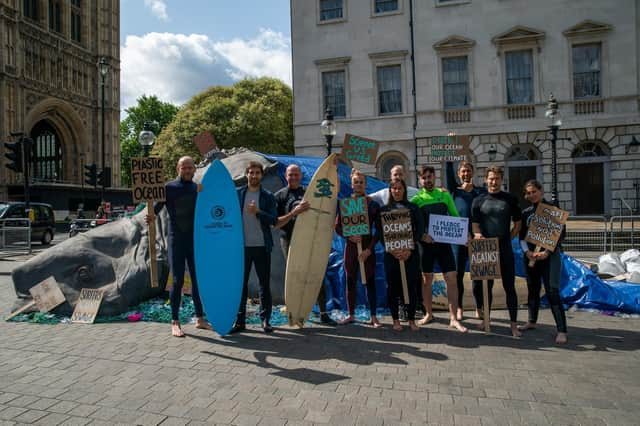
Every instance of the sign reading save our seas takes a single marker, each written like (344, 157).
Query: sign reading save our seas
(147, 179)
(397, 230)
(484, 259)
(545, 226)
(357, 148)
(449, 229)
(354, 216)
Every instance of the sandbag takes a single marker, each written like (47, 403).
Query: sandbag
(610, 264)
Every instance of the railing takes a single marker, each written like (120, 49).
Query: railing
(15, 236)
(457, 115)
(519, 112)
(592, 106)
(586, 234)
(623, 238)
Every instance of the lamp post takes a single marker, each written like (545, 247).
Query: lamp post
(328, 129)
(146, 138)
(553, 115)
(103, 68)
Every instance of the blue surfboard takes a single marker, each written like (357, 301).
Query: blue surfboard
(219, 247)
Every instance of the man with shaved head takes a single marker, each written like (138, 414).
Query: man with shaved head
(181, 195)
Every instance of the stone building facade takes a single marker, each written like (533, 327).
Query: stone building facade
(402, 72)
(51, 90)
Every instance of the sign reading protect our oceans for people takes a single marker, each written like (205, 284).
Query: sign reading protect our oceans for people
(397, 230)
(449, 229)
(147, 179)
(484, 259)
(355, 217)
(357, 148)
(546, 226)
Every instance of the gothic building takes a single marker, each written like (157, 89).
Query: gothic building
(51, 90)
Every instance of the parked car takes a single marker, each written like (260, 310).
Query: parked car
(43, 225)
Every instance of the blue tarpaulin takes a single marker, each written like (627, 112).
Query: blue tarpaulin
(580, 286)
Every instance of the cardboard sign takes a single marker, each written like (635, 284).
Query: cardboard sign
(363, 150)
(545, 226)
(449, 229)
(354, 216)
(88, 305)
(447, 148)
(397, 230)
(205, 142)
(147, 179)
(47, 295)
(484, 259)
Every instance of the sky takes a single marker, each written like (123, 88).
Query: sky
(174, 49)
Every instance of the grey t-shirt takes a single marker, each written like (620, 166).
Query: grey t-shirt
(252, 231)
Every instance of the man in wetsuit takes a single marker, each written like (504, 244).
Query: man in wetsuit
(463, 196)
(181, 195)
(290, 205)
(491, 217)
(431, 200)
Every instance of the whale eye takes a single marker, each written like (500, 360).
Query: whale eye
(84, 274)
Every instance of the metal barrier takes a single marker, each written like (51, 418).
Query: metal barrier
(586, 234)
(15, 236)
(622, 232)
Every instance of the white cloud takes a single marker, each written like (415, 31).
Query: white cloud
(158, 8)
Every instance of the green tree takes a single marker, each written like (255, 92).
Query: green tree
(148, 108)
(254, 113)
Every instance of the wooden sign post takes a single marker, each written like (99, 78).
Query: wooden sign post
(545, 228)
(484, 264)
(398, 235)
(88, 305)
(357, 148)
(147, 179)
(46, 296)
(447, 148)
(355, 221)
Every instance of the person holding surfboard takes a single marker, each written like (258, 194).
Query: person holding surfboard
(258, 215)
(290, 205)
(360, 249)
(546, 269)
(394, 258)
(181, 195)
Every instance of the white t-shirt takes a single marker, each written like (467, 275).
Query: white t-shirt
(382, 196)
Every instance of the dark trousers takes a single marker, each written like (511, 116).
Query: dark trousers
(322, 296)
(461, 254)
(352, 269)
(181, 251)
(508, 282)
(548, 272)
(395, 295)
(260, 257)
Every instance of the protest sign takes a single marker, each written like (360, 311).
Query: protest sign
(447, 148)
(147, 179)
(484, 259)
(88, 305)
(355, 221)
(449, 229)
(357, 148)
(46, 296)
(398, 235)
(546, 225)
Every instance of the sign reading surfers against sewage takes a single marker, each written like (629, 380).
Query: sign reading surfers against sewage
(88, 305)
(484, 259)
(397, 229)
(355, 217)
(449, 229)
(545, 226)
(147, 179)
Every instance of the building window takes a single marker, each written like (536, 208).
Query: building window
(382, 6)
(333, 92)
(76, 20)
(454, 81)
(389, 89)
(47, 154)
(586, 71)
(387, 162)
(30, 9)
(330, 9)
(519, 67)
(55, 16)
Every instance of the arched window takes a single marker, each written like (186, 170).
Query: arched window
(387, 161)
(590, 149)
(46, 155)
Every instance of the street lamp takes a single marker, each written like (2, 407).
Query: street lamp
(146, 138)
(328, 128)
(103, 68)
(553, 115)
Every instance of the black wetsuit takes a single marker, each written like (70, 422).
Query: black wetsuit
(494, 213)
(545, 271)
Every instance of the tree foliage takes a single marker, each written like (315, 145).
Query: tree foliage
(254, 113)
(148, 108)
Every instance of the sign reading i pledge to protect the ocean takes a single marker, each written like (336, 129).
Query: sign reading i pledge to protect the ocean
(484, 259)
(355, 221)
(357, 148)
(449, 229)
(88, 305)
(398, 235)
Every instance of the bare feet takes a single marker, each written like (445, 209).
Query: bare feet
(426, 319)
(527, 326)
(396, 325)
(176, 330)
(454, 323)
(374, 322)
(459, 314)
(514, 330)
(202, 324)
(561, 338)
(480, 326)
(413, 326)
(479, 314)
(348, 320)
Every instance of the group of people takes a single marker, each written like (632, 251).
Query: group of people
(492, 213)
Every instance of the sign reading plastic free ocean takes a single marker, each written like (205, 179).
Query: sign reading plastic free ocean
(362, 150)
(447, 148)
(147, 179)
(354, 216)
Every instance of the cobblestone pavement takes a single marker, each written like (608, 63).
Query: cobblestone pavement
(135, 373)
